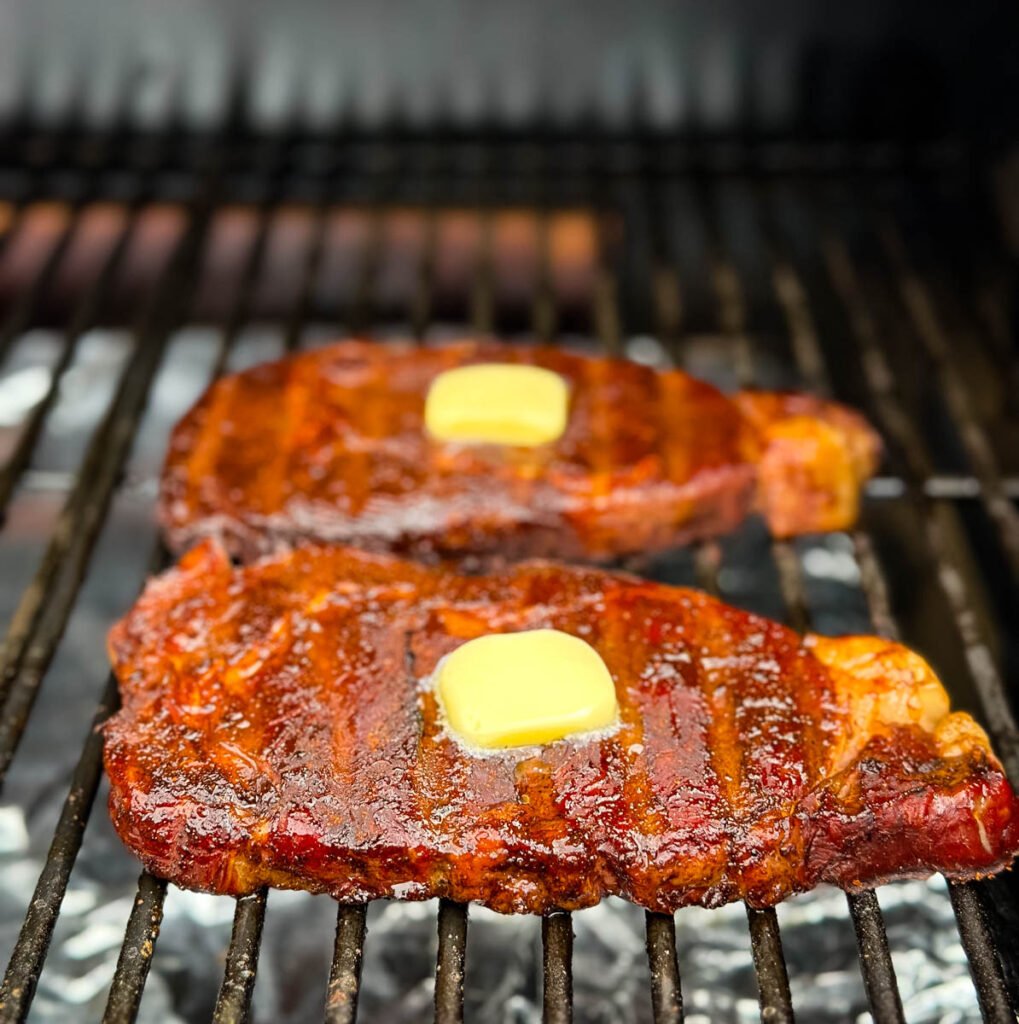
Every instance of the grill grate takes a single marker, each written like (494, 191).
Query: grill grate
(636, 287)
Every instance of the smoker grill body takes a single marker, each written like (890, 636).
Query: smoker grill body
(746, 249)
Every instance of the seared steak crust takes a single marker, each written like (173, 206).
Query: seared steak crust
(329, 445)
(277, 729)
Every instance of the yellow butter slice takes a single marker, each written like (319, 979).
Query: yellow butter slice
(516, 689)
(497, 403)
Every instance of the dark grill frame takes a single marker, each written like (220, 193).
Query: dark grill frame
(635, 166)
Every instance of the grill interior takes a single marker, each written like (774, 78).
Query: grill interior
(870, 273)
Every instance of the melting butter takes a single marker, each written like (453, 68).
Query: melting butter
(497, 403)
(518, 689)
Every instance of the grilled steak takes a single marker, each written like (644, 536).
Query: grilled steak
(329, 445)
(277, 729)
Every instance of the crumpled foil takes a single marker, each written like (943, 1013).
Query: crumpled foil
(503, 984)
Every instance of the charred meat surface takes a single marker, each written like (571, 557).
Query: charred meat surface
(277, 729)
(329, 446)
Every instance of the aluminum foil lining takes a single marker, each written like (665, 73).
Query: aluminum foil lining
(504, 953)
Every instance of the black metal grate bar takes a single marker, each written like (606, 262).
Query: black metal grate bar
(82, 319)
(233, 1006)
(10, 218)
(453, 917)
(239, 308)
(21, 313)
(666, 994)
(362, 309)
(309, 272)
(345, 973)
(765, 937)
(557, 959)
(29, 954)
(234, 1003)
(481, 297)
(556, 927)
(449, 964)
(983, 960)
(33, 942)
(422, 300)
(659, 929)
(46, 605)
(137, 951)
(769, 963)
(362, 305)
(918, 300)
(875, 958)
(941, 485)
(939, 520)
(123, 1007)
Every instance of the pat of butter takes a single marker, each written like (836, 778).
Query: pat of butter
(515, 689)
(497, 403)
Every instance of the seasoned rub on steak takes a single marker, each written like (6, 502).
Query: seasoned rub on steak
(329, 445)
(276, 730)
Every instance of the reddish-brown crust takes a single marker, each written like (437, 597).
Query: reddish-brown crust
(274, 732)
(329, 446)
